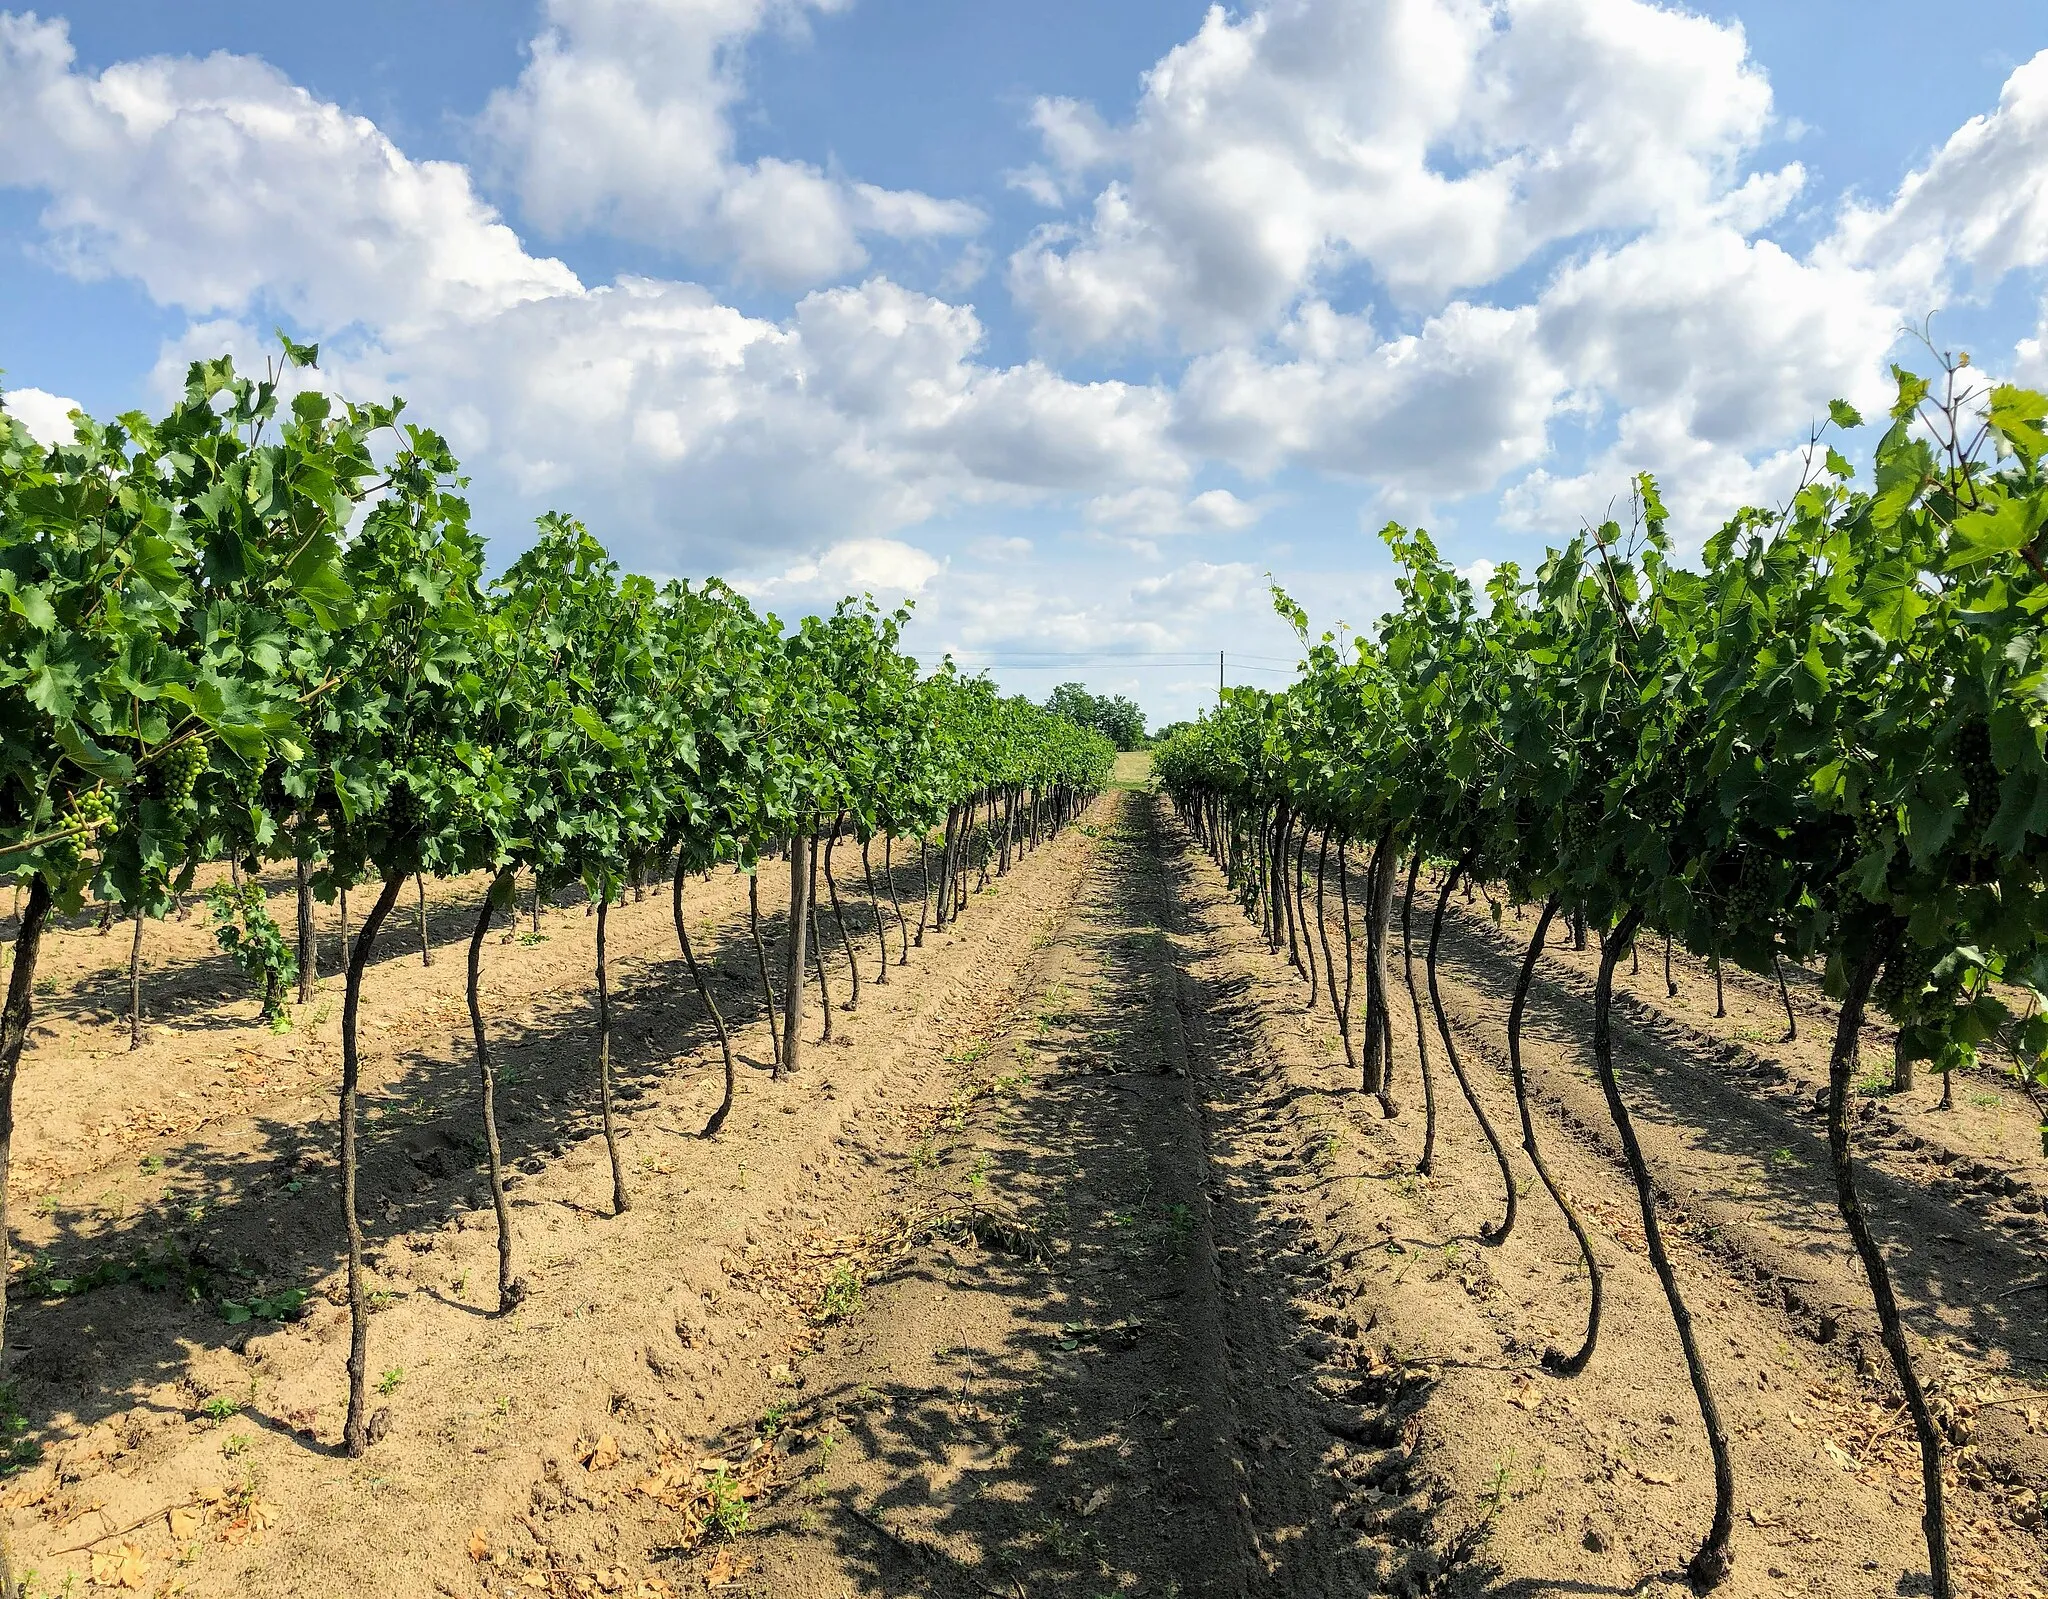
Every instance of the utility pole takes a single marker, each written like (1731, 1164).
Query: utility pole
(1219, 677)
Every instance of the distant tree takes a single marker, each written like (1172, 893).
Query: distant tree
(1115, 717)
(1074, 702)
(1120, 721)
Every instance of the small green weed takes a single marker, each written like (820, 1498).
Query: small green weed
(18, 1451)
(725, 1518)
(842, 1297)
(388, 1384)
(220, 1408)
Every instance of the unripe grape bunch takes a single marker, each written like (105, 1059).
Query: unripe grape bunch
(1979, 774)
(87, 814)
(182, 768)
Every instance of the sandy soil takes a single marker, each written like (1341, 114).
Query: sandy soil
(1075, 1267)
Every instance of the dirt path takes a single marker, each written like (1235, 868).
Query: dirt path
(1082, 1384)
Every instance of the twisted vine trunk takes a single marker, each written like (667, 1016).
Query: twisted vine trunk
(945, 899)
(924, 850)
(1344, 901)
(839, 916)
(896, 904)
(511, 1290)
(1487, 1234)
(308, 940)
(867, 870)
(1427, 1164)
(1555, 1360)
(1377, 1064)
(1282, 887)
(1301, 898)
(761, 960)
(1323, 931)
(620, 1202)
(818, 958)
(356, 1429)
(14, 1020)
(794, 976)
(1715, 1557)
(135, 988)
(419, 882)
(1841, 1062)
(704, 993)
(1785, 997)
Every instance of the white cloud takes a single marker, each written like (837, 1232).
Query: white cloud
(1743, 339)
(1451, 408)
(47, 416)
(888, 569)
(692, 423)
(217, 183)
(1981, 202)
(1437, 143)
(1158, 510)
(656, 407)
(622, 123)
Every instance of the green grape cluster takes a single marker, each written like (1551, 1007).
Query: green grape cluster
(401, 807)
(181, 772)
(1979, 774)
(1750, 901)
(88, 814)
(1905, 977)
(249, 786)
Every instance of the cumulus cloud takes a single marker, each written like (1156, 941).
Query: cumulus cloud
(1450, 408)
(1981, 203)
(217, 183)
(223, 188)
(622, 122)
(693, 423)
(47, 416)
(1437, 143)
(888, 569)
(1157, 510)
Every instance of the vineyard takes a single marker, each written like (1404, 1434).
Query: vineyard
(556, 1083)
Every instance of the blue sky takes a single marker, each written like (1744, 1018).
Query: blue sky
(1069, 321)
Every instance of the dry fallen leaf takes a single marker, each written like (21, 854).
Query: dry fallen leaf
(126, 1567)
(1095, 1502)
(1656, 1477)
(602, 1455)
(721, 1570)
(479, 1546)
(1528, 1396)
(185, 1521)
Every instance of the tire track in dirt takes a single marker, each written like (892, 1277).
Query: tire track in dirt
(1097, 1381)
